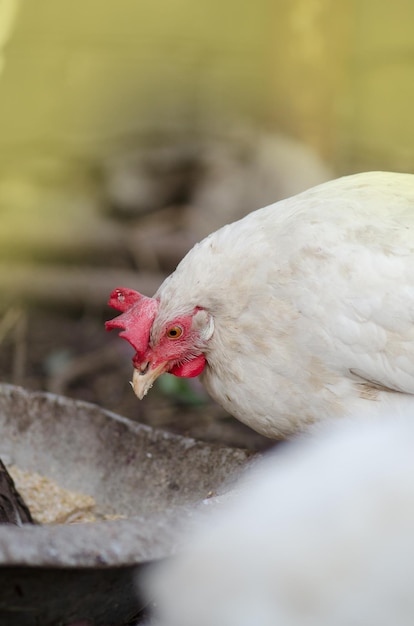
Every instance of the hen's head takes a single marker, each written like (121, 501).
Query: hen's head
(175, 345)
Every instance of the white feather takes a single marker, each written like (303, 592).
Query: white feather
(313, 304)
(319, 534)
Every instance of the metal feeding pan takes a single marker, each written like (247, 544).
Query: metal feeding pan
(86, 572)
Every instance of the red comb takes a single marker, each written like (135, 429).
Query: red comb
(138, 313)
(123, 298)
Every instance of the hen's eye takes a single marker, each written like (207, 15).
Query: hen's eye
(174, 332)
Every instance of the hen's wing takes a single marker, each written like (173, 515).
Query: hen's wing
(354, 267)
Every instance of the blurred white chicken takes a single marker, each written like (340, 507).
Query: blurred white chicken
(301, 311)
(319, 534)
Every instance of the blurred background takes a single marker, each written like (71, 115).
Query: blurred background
(129, 130)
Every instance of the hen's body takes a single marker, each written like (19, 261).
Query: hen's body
(317, 534)
(313, 304)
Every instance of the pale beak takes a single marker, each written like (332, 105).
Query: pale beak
(142, 380)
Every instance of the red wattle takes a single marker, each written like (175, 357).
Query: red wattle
(190, 369)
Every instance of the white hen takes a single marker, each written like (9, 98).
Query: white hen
(301, 311)
(320, 534)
